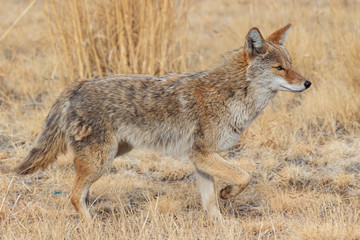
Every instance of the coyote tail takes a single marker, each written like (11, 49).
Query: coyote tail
(49, 143)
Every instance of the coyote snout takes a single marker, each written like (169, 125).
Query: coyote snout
(291, 80)
(196, 114)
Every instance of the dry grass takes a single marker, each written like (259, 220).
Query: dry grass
(303, 152)
(97, 38)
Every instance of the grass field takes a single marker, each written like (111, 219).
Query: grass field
(303, 152)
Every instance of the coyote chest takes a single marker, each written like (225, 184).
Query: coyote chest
(229, 137)
(232, 133)
(240, 118)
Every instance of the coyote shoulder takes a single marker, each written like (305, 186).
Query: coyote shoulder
(182, 114)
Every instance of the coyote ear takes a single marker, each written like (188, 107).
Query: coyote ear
(280, 35)
(255, 43)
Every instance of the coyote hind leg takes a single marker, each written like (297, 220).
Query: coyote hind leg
(89, 168)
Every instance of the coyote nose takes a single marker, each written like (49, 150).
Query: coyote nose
(307, 84)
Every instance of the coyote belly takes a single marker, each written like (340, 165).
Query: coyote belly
(171, 140)
(193, 114)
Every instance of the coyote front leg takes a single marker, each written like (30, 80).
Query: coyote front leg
(214, 165)
(208, 194)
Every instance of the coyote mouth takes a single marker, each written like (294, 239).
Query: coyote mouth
(292, 90)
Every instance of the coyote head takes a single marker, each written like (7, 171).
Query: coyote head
(269, 64)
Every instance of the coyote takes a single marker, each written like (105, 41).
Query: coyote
(195, 114)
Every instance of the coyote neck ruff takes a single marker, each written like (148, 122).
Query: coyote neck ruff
(192, 114)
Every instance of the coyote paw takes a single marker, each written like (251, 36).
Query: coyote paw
(225, 193)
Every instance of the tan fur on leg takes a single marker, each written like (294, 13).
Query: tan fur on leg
(216, 166)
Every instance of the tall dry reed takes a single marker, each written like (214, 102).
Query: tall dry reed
(97, 38)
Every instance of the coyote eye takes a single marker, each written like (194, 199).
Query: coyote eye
(279, 68)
